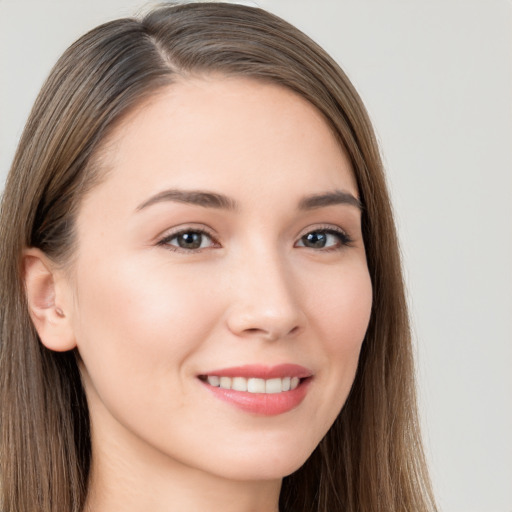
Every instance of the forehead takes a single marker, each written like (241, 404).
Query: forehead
(228, 135)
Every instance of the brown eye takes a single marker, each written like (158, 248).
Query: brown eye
(316, 240)
(189, 240)
(324, 239)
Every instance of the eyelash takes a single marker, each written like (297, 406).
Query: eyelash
(344, 239)
(165, 242)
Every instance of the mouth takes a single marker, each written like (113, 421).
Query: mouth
(253, 384)
(260, 389)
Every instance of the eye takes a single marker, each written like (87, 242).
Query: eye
(188, 240)
(328, 239)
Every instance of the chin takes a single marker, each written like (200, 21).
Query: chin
(265, 464)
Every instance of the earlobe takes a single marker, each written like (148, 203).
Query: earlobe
(47, 301)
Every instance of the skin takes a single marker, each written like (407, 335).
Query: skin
(148, 317)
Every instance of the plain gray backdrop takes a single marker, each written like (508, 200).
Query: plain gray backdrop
(436, 76)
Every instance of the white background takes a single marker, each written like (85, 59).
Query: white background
(436, 76)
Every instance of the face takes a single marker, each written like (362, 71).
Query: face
(222, 250)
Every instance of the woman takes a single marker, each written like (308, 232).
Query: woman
(202, 304)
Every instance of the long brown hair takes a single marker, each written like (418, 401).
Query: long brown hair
(371, 459)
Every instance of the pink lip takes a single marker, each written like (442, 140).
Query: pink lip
(263, 403)
(263, 372)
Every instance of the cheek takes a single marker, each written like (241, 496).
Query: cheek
(342, 309)
(138, 324)
(341, 306)
(133, 319)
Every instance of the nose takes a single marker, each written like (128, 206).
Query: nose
(265, 300)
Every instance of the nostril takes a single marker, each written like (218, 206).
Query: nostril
(271, 334)
(269, 321)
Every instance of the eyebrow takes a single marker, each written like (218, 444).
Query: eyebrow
(197, 197)
(223, 202)
(329, 199)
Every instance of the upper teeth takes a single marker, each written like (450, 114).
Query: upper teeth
(253, 385)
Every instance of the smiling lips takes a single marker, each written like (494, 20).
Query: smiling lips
(254, 385)
(260, 389)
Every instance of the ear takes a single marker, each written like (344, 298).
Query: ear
(48, 301)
